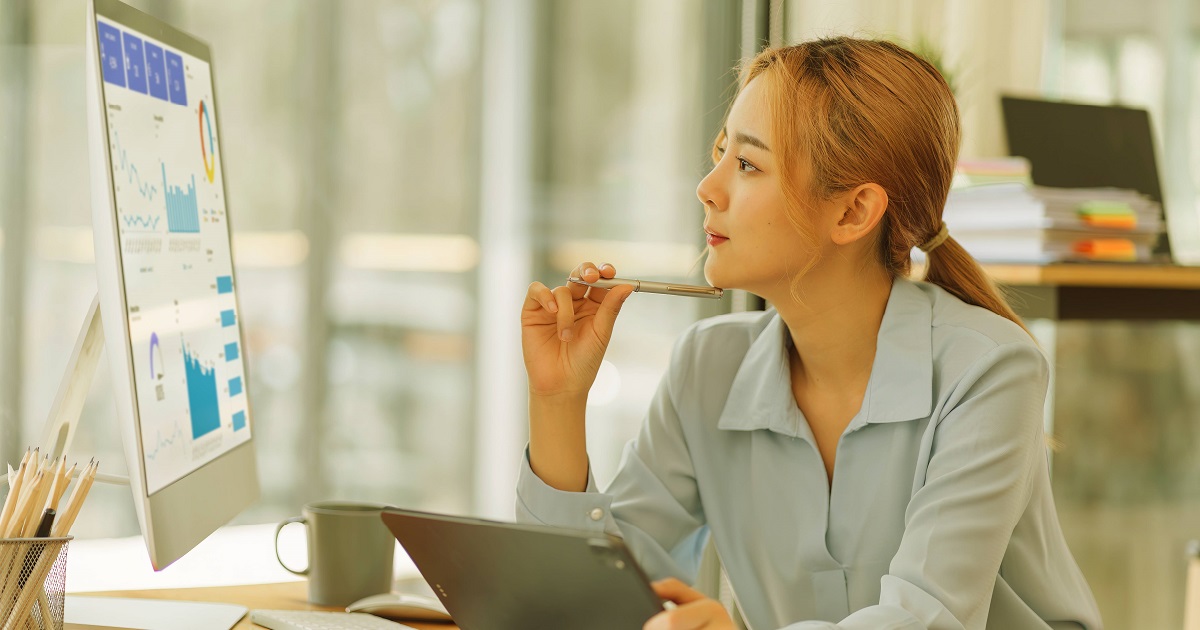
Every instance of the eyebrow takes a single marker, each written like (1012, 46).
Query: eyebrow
(743, 138)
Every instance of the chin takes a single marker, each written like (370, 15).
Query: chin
(715, 277)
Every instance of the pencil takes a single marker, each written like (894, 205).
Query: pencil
(17, 524)
(35, 491)
(75, 503)
(65, 478)
(55, 482)
(24, 460)
(10, 503)
(62, 473)
(37, 505)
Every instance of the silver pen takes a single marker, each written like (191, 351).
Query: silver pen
(649, 286)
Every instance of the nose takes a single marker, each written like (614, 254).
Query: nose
(711, 190)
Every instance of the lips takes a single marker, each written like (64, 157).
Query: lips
(715, 237)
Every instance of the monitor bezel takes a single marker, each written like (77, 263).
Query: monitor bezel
(186, 503)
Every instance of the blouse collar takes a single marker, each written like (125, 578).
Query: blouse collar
(900, 387)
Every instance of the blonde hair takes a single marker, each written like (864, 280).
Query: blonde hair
(863, 111)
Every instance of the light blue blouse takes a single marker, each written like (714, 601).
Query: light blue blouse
(940, 514)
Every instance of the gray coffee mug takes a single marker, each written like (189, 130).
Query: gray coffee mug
(349, 551)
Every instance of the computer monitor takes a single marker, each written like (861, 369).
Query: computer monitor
(168, 294)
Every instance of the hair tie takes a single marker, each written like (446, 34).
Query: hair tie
(937, 239)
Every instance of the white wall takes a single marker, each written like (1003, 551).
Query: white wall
(991, 48)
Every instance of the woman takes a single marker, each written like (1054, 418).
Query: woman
(869, 453)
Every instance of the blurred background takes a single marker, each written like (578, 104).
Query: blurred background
(400, 170)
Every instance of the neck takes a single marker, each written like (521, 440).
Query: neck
(833, 327)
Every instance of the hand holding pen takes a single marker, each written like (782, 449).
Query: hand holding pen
(565, 331)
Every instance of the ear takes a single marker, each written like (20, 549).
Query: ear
(862, 210)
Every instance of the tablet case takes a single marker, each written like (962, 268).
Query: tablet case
(505, 576)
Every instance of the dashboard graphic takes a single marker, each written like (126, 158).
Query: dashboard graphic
(180, 295)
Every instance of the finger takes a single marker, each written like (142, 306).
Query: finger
(676, 591)
(586, 272)
(566, 313)
(706, 613)
(539, 296)
(596, 294)
(606, 314)
(589, 272)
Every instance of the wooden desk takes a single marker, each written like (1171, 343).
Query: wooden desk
(1096, 291)
(285, 596)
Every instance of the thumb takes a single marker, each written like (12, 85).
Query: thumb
(672, 589)
(606, 314)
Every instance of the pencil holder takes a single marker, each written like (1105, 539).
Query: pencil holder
(33, 580)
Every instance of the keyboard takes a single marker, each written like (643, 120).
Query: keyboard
(317, 620)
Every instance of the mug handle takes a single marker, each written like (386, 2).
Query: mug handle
(279, 528)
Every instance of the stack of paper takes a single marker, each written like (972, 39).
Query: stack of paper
(1017, 223)
(992, 171)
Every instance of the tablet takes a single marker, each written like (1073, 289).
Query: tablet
(505, 576)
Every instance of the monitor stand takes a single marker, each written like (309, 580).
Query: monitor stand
(59, 429)
(59, 432)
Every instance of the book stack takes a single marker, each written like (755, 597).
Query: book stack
(1013, 222)
(998, 170)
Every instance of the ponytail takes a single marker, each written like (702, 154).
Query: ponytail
(950, 267)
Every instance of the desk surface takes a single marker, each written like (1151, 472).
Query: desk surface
(1097, 275)
(285, 596)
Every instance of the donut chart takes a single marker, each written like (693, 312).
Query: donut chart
(207, 152)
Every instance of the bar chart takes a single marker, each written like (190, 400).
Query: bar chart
(183, 213)
(203, 405)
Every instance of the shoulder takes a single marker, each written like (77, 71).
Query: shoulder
(964, 335)
(978, 354)
(719, 344)
(731, 334)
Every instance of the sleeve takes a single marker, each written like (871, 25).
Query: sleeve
(977, 484)
(653, 502)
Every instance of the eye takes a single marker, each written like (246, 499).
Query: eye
(720, 150)
(745, 166)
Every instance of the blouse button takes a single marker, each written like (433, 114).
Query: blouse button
(596, 514)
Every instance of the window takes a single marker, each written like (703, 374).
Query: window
(354, 134)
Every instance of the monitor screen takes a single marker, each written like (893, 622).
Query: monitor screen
(1075, 145)
(174, 248)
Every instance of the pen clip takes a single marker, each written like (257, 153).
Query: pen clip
(707, 292)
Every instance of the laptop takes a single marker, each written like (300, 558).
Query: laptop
(1073, 145)
(505, 576)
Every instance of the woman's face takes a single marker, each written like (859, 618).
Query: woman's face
(751, 243)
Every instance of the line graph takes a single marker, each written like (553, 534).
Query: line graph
(121, 157)
(162, 443)
(140, 222)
